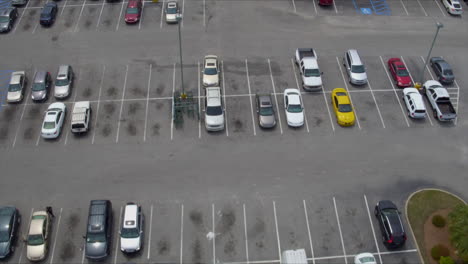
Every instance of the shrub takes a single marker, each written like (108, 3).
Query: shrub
(438, 221)
(446, 260)
(458, 227)
(439, 251)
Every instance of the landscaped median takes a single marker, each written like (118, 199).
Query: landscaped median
(439, 222)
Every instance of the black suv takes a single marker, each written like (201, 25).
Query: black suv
(99, 230)
(48, 14)
(9, 224)
(393, 233)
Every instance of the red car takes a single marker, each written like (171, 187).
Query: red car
(133, 11)
(399, 72)
(325, 2)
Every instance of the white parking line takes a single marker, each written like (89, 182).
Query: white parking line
(21, 17)
(346, 86)
(120, 16)
(412, 80)
(79, 17)
(147, 101)
(183, 9)
(276, 98)
(82, 255)
(117, 242)
(99, 100)
(424, 10)
(328, 109)
(308, 231)
(441, 10)
(56, 235)
(277, 232)
(458, 100)
(199, 101)
(141, 16)
(213, 230)
(121, 105)
(334, 5)
(315, 6)
(404, 7)
(298, 88)
(339, 229)
(38, 138)
(22, 112)
(204, 13)
(250, 97)
(394, 90)
(375, 101)
(373, 230)
(181, 233)
(172, 106)
(63, 7)
(72, 103)
(162, 14)
(224, 99)
(24, 235)
(245, 236)
(150, 230)
(294, 6)
(100, 14)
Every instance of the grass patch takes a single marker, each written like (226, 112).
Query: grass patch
(421, 206)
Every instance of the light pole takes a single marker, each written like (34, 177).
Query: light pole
(183, 95)
(421, 76)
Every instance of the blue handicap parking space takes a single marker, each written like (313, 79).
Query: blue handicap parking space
(369, 7)
(380, 7)
(366, 11)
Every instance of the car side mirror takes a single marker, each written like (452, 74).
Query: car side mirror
(84, 237)
(321, 73)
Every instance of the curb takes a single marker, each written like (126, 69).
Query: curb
(406, 213)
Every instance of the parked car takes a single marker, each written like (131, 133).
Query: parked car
(342, 107)
(10, 220)
(63, 82)
(442, 69)
(265, 111)
(131, 232)
(293, 107)
(306, 60)
(38, 239)
(210, 71)
(133, 11)
(399, 72)
(172, 12)
(414, 103)
(53, 121)
(16, 87)
(7, 19)
(325, 2)
(453, 7)
(365, 258)
(294, 256)
(355, 67)
(99, 230)
(19, 2)
(48, 14)
(80, 117)
(388, 216)
(439, 99)
(41, 86)
(214, 112)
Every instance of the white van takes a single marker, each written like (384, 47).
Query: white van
(297, 256)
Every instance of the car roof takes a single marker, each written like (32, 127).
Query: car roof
(63, 69)
(264, 99)
(40, 76)
(96, 220)
(37, 221)
(130, 217)
(15, 78)
(356, 60)
(213, 95)
(343, 99)
(417, 98)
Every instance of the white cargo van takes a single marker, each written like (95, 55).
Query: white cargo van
(297, 256)
(80, 117)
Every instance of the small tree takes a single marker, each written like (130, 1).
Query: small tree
(458, 227)
(446, 260)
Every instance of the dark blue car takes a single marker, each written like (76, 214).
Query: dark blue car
(48, 14)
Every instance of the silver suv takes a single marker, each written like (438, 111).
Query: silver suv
(354, 67)
(63, 82)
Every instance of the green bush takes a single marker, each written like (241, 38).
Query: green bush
(446, 260)
(438, 221)
(439, 251)
(458, 227)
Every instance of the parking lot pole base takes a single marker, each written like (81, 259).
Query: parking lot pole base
(417, 85)
(155, 1)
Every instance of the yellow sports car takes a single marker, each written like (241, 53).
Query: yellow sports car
(342, 107)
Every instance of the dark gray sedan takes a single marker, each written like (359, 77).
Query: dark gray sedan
(265, 111)
(7, 18)
(443, 70)
(9, 224)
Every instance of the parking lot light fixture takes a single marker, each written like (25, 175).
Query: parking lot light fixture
(183, 95)
(421, 76)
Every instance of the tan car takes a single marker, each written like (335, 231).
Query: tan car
(38, 236)
(210, 71)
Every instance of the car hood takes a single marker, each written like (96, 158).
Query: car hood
(404, 80)
(13, 96)
(295, 118)
(346, 117)
(35, 252)
(359, 76)
(267, 121)
(210, 79)
(4, 249)
(59, 90)
(313, 81)
(130, 243)
(96, 250)
(38, 95)
(214, 120)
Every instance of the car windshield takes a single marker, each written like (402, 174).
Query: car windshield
(14, 87)
(214, 110)
(358, 69)
(402, 73)
(132, 10)
(211, 71)
(312, 73)
(345, 108)
(4, 19)
(266, 111)
(34, 240)
(4, 236)
(129, 233)
(61, 82)
(448, 72)
(293, 108)
(456, 5)
(49, 125)
(367, 259)
(171, 10)
(94, 238)
(435, 86)
(38, 87)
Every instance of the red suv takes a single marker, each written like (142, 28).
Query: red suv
(133, 11)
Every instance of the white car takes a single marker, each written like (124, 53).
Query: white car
(131, 232)
(214, 112)
(364, 258)
(293, 107)
(53, 120)
(210, 71)
(16, 87)
(172, 12)
(414, 103)
(453, 7)
(38, 236)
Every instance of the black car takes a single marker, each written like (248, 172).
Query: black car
(443, 70)
(393, 233)
(9, 224)
(48, 14)
(7, 19)
(99, 230)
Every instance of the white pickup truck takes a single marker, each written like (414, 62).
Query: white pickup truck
(306, 60)
(80, 117)
(440, 102)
